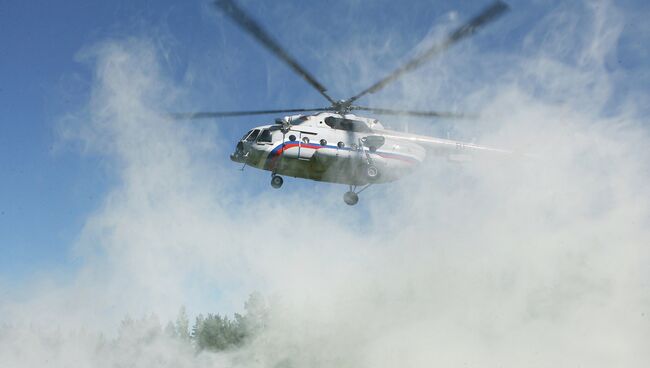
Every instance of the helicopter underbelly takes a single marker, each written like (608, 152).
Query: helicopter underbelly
(337, 165)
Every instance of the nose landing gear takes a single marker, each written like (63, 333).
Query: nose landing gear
(276, 181)
(351, 197)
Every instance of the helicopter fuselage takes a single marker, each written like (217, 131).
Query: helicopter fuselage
(328, 147)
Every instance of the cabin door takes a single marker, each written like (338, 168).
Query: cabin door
(304, 152)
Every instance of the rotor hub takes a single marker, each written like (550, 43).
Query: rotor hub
(342, 106)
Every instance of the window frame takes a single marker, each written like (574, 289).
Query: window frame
(262, 132)
(253, 136)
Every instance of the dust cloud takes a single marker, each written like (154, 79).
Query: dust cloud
(500, 262)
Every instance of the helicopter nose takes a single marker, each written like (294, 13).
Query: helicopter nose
(239, 155)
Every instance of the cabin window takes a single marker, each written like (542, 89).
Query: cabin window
(265, 137)
(340, 144)
(305, 139)
(323, 142)
(292, 138)
(253, 135)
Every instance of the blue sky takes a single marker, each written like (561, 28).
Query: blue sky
(50, 186)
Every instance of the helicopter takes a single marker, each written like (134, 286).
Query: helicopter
(332, 144)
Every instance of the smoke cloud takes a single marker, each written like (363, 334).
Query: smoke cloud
(522, 261)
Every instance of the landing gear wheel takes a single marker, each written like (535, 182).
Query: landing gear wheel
(350, 198)
(276, 181)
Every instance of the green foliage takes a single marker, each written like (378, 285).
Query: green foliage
(213, 332)
(216, 333)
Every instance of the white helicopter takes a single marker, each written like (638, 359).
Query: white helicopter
(333, 145)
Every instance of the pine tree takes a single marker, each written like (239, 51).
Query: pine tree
(217, 333)
(257, 314)
(182, 325)
(170, 330)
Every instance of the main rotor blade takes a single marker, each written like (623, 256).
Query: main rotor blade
(222, 114)
(437, 114)
(489, 14)
(255, 29)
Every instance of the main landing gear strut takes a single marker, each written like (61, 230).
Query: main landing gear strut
(351, 197)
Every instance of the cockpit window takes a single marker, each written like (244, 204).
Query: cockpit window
(265, 137)
(347, 124)
(246, 135)
(253, 135)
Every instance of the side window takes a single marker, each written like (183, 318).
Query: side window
(246, 135)
(253, 136)
(347, 124)
(265, 137)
